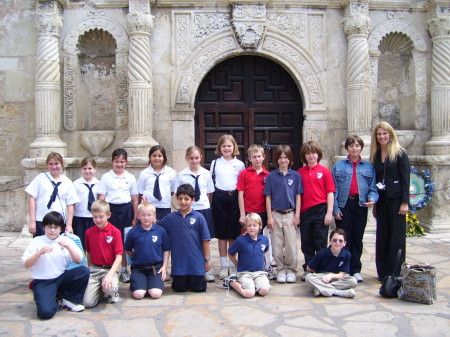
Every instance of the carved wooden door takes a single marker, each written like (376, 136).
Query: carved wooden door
(256, 101)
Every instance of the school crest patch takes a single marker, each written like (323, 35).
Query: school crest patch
(319, 175)
(263, 247)
(341, 263)
(109, 239)
(192, 221)
(154, 238)
(290, 182)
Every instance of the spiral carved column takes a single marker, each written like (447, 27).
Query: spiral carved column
(47, 82)
(140, 81)
(356, 26)
(439, 28)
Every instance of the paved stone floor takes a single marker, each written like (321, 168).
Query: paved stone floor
(289, 309)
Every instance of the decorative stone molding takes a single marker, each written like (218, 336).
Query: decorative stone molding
(395, 26)
(96, 20)
(439, 20)
(249, 24)
(356, 19)
(206, 24)
(139, 23)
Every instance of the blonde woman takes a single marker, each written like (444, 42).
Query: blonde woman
(392, 170)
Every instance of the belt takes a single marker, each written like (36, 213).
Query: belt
(104, 266)
(283, 211)
(153, 266)
(354, 196)
(225, 192)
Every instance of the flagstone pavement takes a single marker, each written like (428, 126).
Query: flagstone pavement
(288, 310)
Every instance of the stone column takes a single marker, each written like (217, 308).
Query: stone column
(47, 82)
(439, 28)
(356, 26)
(140, 80)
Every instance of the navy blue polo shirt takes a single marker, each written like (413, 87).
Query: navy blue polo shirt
(186, 236)
(325, 262)
(148, 245)
(283, 188)
(250, 252)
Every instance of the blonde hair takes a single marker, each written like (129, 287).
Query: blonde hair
(100, 206)
(394, 148)
(256, 219)
(255, 148)
(146, 204)
(192, 149)
(222, 140)
(57, 156)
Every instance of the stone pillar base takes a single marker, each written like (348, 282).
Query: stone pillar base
(138, 146)
(43, 145)
(438, 145)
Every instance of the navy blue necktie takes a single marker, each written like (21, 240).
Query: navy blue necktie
(197, 188)
(91, 198)
(156, 190)
(54, 194)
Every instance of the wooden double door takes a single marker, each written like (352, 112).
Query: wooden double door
(256, 101)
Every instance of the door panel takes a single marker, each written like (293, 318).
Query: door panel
(255, 100)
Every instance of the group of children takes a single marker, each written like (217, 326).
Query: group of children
(217, 203)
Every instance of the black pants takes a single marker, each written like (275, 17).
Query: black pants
(225, 212)
(313, 232)
(390, 237)
(354, 220)
(195, 283)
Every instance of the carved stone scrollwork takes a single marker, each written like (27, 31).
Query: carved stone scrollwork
(357, 20)
(249, 24)
(439, 23)
(137, 22)
(49, 19)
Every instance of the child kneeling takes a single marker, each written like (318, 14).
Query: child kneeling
(329, 269)
(251, 277)
(148, 245)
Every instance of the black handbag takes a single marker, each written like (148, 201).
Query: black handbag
(390, 284)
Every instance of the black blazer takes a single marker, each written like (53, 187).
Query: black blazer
(396, 176)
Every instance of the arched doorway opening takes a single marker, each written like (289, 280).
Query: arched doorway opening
(256, 101)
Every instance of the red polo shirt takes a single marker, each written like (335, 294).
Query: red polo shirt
(252, 184)
(104, 244)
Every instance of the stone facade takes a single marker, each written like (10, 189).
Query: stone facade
(85, 77)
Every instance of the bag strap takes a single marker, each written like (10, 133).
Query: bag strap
(213, 175)
(398, 260)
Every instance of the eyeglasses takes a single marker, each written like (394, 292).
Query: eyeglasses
(337, 241)
(53, 228)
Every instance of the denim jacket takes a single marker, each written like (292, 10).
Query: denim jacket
(365, 174)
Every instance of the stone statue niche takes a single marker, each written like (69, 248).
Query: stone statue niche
(396, 74)
(97, 88)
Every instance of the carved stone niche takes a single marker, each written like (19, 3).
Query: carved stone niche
(249, 24)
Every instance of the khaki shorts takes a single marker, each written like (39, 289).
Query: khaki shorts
(253, 280)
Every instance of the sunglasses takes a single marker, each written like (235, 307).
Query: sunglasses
(337, 240)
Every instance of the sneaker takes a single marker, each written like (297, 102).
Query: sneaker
(281, 278)
(113, 298)
(125, 276)
(209, 276)
(358, 277)
(223, 273)
(291, 278)
(232, 270)
(67, 305)
(348, 293)
(316, 292)
(228, 280)
(271, 274)
(303, 277)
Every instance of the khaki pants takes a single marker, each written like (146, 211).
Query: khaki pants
(328, 289)
(284, 243)
(94, 288)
